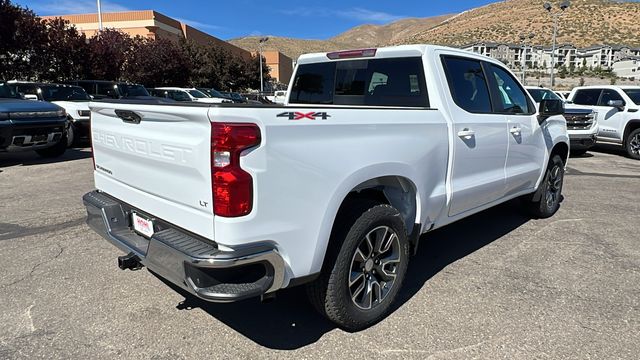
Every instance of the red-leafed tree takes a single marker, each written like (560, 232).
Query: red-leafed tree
(108, 53)
(158, 62)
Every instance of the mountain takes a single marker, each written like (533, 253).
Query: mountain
(377, 35)
(358, 37)
(584, 23)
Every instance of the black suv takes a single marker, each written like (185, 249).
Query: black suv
(103, 89)
(31, 125)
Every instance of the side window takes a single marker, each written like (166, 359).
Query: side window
(313, 84)
(179, 96)
(511, 98)
(28, 89)
(609, 95)
(106, 90)
(467, 84)
(587, 97)
(377, 79)
(88, 87)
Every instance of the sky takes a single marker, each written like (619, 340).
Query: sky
(237, 18)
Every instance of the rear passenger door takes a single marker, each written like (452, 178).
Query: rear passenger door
(525, 144)
(480, 137)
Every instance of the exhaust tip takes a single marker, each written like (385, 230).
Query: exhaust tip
(129, 262)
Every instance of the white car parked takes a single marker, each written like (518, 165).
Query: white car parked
(188, 94)
(333, 189)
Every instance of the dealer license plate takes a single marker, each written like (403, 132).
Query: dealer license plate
(142, 225)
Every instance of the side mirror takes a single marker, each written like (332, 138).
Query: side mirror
(550, 107)
(618, 104)
(31, 97)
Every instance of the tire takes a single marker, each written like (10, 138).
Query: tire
(632, 144)
(550, 192)
(71, 135)
(56, 150)
(361, 279)
(578, 152)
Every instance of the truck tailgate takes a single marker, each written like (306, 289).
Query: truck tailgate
(157, 159)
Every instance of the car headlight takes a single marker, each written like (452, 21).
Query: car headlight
(84, 113)
(61, 113)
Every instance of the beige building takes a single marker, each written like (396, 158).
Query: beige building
(280, 65)
(147, 23)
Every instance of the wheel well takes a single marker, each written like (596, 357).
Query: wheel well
(396, 191)
(631, 126)
(561, 149)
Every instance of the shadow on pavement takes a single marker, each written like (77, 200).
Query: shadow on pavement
(28, 158)
(290, 322)
(609, 149)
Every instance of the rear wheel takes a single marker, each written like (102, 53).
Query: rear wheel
(633, 144)
(360, 282)
(548, 196)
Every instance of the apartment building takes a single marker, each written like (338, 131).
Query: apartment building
(565, 54)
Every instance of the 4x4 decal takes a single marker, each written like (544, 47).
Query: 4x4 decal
(300, 115)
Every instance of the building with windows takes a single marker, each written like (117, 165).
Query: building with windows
(154, 25)
(147, 23)
(280, 65)
(565, 54)
(627, 67)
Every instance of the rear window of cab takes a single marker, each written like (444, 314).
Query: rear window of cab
(366, 82)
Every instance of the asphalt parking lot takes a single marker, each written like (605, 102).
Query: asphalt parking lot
(496, 285)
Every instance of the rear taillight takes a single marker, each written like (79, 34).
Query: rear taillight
(232, 187)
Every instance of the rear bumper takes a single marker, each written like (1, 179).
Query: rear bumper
(582, 141)
(186, 260)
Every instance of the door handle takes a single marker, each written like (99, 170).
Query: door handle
(466, 133)
(515, 130)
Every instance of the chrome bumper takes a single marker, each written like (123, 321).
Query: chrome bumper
(186, 260)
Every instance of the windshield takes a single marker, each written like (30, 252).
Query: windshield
(7, 92)
(197, 94)
(634, 94)
(543, 94)
(215, 93)
(67, 93)
(128, 90)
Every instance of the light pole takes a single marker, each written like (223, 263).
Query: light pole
(99, 16)
(260, 42)
(563, 6)
(523, 39)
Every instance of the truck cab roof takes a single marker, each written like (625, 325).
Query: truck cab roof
(386, 52)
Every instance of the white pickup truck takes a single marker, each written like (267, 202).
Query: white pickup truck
(333, 189)
(582, 121)
(618, 114)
